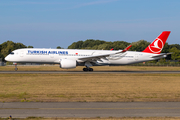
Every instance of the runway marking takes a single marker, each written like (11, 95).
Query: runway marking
(87, 108)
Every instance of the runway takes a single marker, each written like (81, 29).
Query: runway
(82, 72)
(90, 110)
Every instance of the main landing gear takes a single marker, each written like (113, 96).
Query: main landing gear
(87, 69)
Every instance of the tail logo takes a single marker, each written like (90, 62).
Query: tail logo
(156, 46)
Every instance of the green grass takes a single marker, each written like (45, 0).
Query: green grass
(14, 95)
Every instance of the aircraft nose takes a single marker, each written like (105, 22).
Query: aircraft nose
(7, 58)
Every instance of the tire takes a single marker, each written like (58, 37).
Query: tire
(90, 69)
(85, 69)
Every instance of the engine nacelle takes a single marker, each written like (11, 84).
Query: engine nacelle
(67, 63)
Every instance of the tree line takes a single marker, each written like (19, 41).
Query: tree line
(8, 46)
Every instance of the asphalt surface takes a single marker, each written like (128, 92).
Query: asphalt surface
(89, 72)
(90, 110)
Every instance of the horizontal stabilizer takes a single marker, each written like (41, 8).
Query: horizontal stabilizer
(161, 55)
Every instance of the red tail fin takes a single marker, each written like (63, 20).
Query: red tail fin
(157, 45)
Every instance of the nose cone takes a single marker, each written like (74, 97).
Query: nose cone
(7, 58)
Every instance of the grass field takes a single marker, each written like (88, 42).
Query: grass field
(96, 68)
(89, 87)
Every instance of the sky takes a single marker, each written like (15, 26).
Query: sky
(52, 23)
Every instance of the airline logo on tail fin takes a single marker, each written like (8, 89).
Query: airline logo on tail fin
(157, 45)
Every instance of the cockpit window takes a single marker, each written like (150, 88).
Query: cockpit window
(12, 53)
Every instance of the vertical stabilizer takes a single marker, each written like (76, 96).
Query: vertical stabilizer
(157, 45)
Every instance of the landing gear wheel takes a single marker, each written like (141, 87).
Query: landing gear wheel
(90, 69)
(85, 69)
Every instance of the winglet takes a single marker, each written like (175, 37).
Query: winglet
(112, 49)
(126, 49)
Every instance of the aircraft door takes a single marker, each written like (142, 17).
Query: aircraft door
(136, 57)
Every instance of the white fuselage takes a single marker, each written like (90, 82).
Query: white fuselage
(33, 55)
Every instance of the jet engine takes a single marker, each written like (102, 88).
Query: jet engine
(67, 63)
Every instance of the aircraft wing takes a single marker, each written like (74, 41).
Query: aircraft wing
(97, 57)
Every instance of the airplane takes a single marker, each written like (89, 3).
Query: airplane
(71, 58)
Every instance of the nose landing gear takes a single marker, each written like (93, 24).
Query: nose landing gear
(15, 67)
(87, 69)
